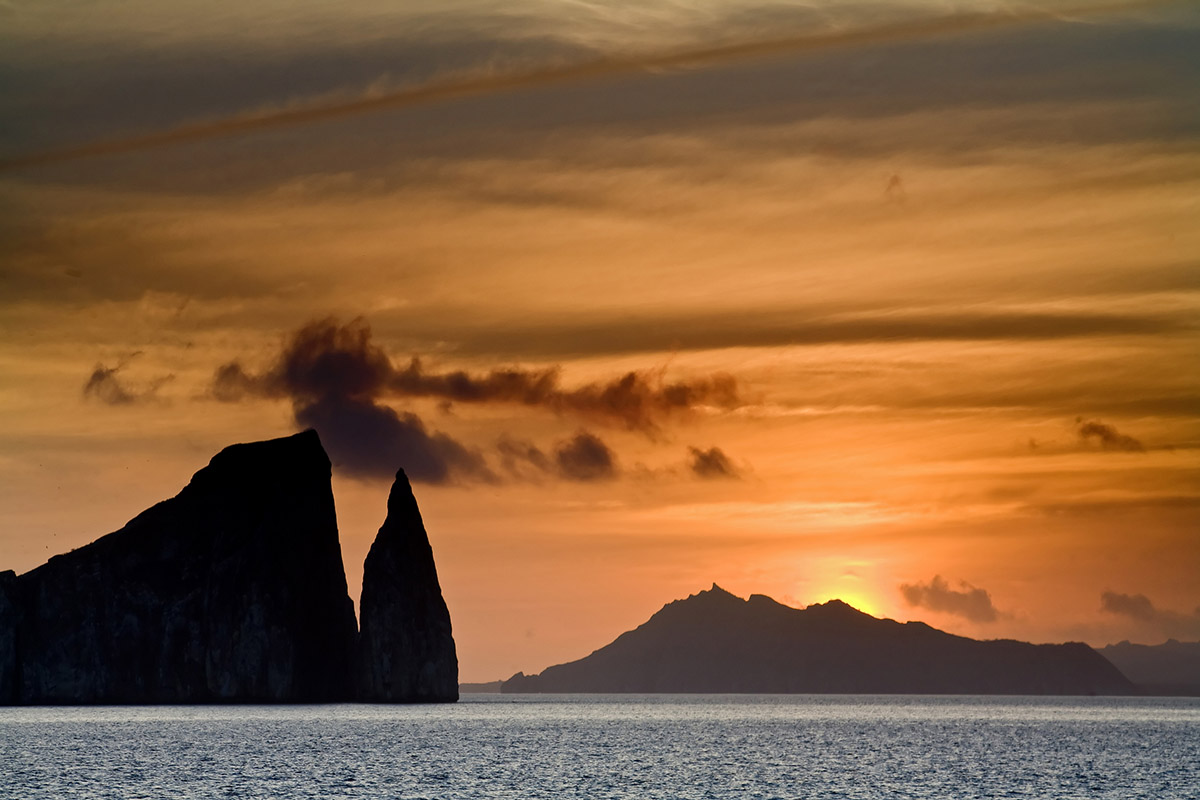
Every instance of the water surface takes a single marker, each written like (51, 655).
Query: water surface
(592, 746)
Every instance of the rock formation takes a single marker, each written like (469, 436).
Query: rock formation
(406, 651)
(232, 591)
(713, 642)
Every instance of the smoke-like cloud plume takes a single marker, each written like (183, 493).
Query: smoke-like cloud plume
(325, 354)
(1108, 437)
(967, 601)
(339, 380)
(334, 377)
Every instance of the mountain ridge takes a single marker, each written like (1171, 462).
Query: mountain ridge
(715, 642)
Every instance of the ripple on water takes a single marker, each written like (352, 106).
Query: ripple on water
(659, 746)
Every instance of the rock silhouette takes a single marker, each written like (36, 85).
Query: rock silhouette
(233, 591)
(714, 642)
(406, 651)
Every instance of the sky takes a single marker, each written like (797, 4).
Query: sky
(893, 302)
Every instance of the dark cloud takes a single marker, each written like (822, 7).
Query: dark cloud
(338, 380)
(367, 440)
(1108, 437)
(711, 463)
(333, 375)
(104, 385)
(968, 602)
(585, 458)
(638, 400)
(1137, 606)
(326, 354)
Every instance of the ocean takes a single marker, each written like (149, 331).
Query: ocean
(605, 746)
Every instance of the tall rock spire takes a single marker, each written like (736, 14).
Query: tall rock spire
(406, 650)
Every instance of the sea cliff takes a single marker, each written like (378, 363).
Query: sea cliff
(233, 591)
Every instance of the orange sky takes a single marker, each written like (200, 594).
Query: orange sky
(912, 323)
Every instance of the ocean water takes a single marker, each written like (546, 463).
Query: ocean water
(592, 746)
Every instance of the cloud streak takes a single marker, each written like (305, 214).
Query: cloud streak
(490, 84)
(968, 602)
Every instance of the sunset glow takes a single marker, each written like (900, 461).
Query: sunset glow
(910, 321)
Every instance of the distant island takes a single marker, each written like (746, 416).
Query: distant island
(233, 592)
(714, 642)
(1171, 668)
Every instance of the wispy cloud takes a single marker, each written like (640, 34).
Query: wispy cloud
(489, 83)
(106, 386)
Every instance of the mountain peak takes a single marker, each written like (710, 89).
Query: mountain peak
(715, 642)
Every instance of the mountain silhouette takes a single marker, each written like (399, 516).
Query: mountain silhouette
(231, 591)
(714, 642)
(1171, 668)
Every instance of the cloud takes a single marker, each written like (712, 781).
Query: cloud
(711, 463)
(492, 82)
(638, 400)
(970, 602)
(1140, 609)
(333, 375)
(338, 380)
(104, 385)
(1108, 437)
(1137, 606)
(326, 354)
(805, 326)
(367, 440)
(523, 460)
(584, 458)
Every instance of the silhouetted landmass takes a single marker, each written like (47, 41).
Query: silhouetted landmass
(713, 642)
(1171, 668)
(490, 687)
(406, 650)
(232, 591)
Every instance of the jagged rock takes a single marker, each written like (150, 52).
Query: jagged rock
(406, 650)
(716, 642)
(232, 591)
